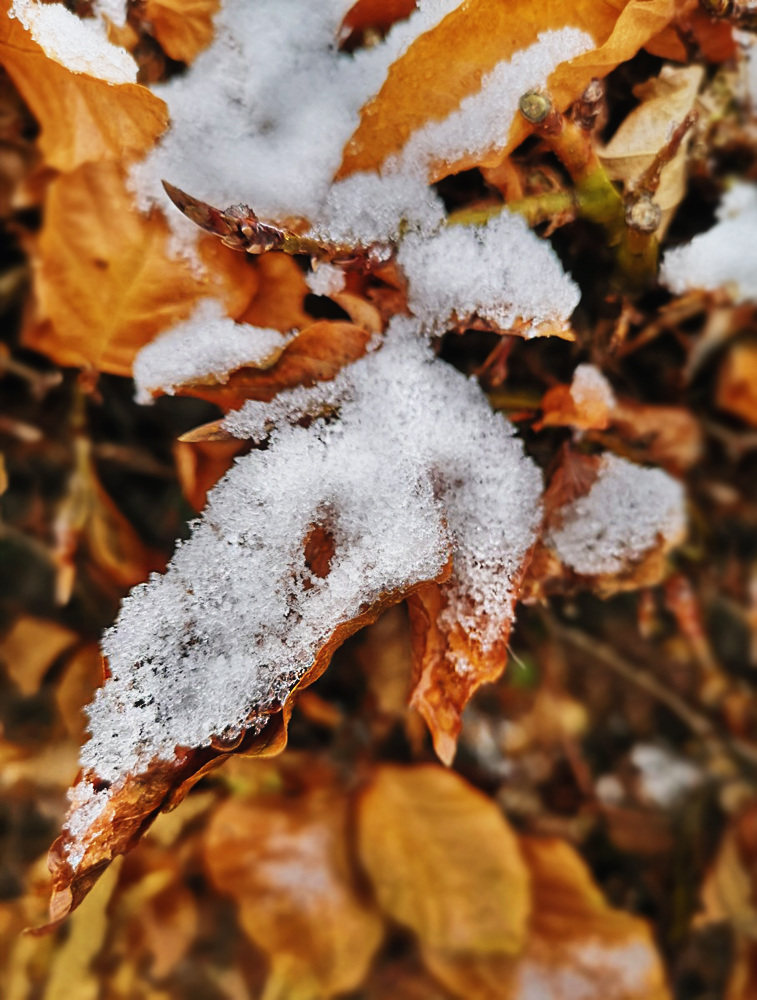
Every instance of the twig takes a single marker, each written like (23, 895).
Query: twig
(697, 722)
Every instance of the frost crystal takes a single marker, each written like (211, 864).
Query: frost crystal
(80, 45)
(723, 257)
(501, 272)
(620, 519)
(413, 466)
(208, 344)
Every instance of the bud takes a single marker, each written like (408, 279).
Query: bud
(643, 214)
(535, 106)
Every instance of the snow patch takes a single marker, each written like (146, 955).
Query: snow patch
(620, 519)
(325, 279)
(589, 387)
(501, 272)
(81, 45)
(403, 464)
(723, 257)
(207, 345)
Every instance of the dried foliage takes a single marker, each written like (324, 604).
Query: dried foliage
(455, 735)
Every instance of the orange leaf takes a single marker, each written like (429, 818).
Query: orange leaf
(316, 354)
(441, 691)
(443, 861)
(106, 283)
(447, 64)
(81, 118)
(577, 944)
(183, 27)
(286, 864)
(737, 383)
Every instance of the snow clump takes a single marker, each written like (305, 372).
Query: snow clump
(620, 519)
(413, 468)
(723, 257)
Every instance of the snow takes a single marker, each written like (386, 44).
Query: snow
(501, 272)
(622, 517)
(263, 113)
(590, 387)
(80, 45)
(207, 345)
(665, 777)
(412, 467)
(724, 256)
(114, 10)
(325, 279)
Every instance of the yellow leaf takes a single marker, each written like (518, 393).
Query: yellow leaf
(183, 27)
(577, 944)
(286, 864)
(81, 118)
(443, 861)
(447, 64)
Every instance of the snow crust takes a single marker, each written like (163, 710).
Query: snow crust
(620, 518)
(501, 272)
(723, 257)
(208, 344)
(403, 463)
(589, 387)
(80, 45)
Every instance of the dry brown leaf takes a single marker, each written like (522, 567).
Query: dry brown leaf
(577, 945)
(561, 409)
(316, 354)
(81, 118)
(82, 675)
(135, 803)
(441, 691)
(670, 436)
(443, 861)
(106, 283)
(285, 862)
(713, 36)
(666, 100)
(447, 64)
(737, 382)
(183, 27)
(30, 649)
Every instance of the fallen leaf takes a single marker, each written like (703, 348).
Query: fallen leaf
(447, 64)
(31, 647)
(666, 100)
(200, 464)
(106, 283)
(737, 382)
(577, 945)
(670, 436)
(443, 861)
(279, 301)
(183, 27)
(82, 119)
(285, 862)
